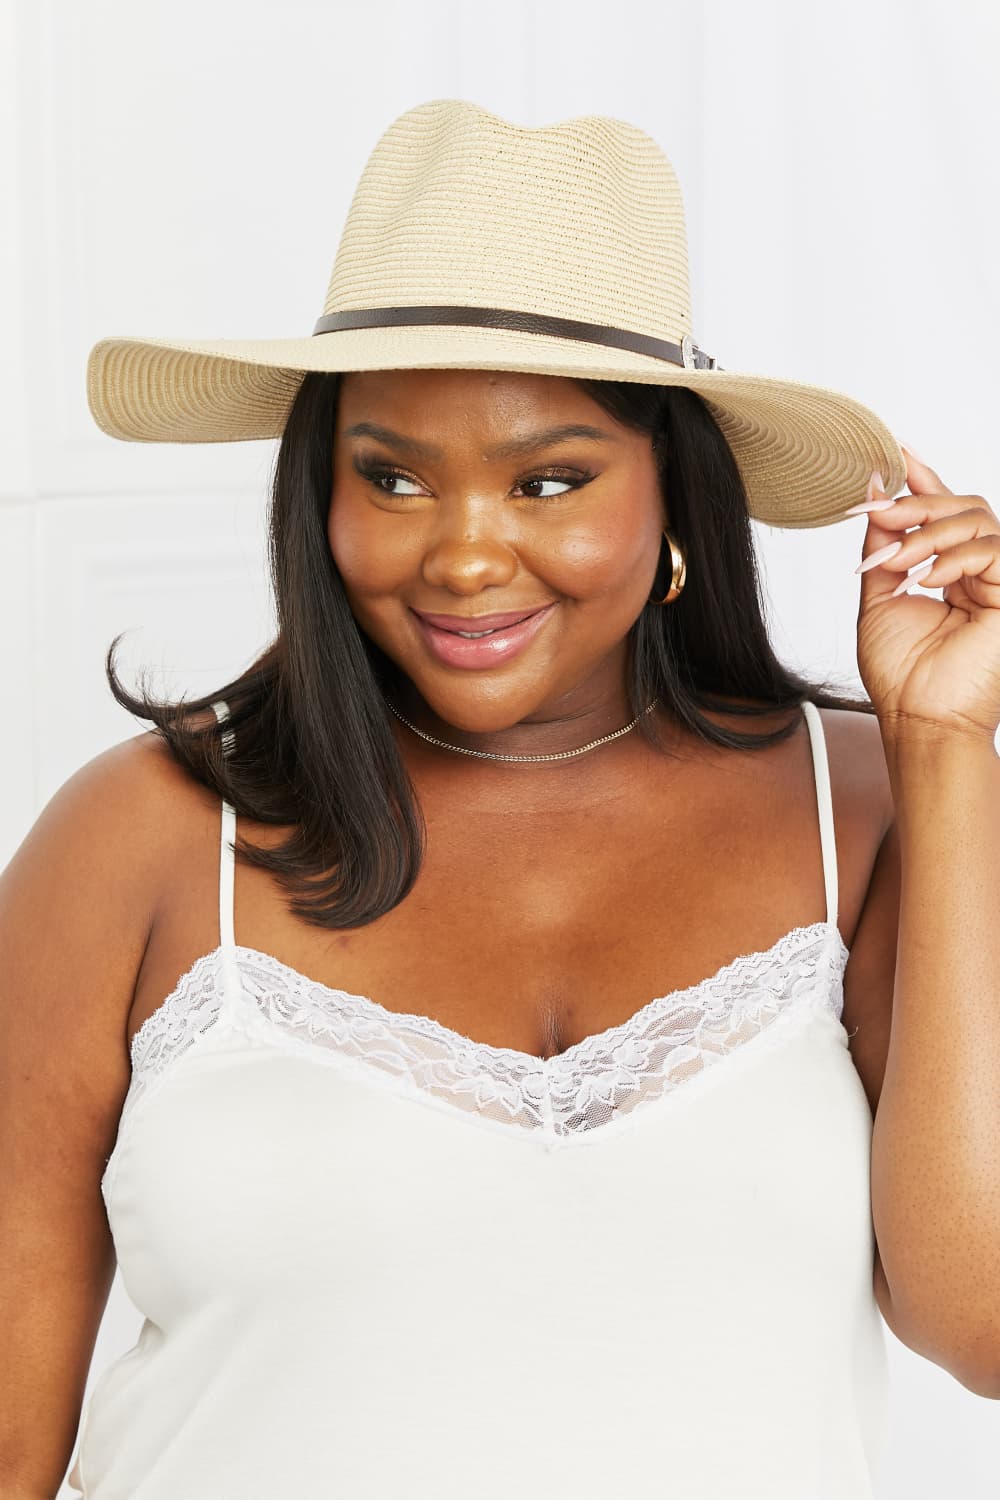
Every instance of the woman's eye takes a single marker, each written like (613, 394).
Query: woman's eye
(378, 477)
(567, 484)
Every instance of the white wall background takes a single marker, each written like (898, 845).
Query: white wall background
(185, 166)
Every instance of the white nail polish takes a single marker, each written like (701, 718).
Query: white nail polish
(913, 577)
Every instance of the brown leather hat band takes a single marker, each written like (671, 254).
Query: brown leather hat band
(687, 354)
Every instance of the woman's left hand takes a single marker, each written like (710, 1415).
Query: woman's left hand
(932, 663)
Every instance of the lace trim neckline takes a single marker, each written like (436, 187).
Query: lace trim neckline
(744, 966)
(595, 1089)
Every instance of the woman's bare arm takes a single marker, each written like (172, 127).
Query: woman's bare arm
(77, 902)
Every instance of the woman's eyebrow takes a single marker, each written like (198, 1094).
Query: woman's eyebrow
(508, 449)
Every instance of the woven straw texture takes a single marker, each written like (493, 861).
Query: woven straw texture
(457, 206)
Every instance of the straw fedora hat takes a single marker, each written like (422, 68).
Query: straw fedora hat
(474, 243)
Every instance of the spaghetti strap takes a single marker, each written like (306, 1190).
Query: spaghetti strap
(227, 862)
(227, 875)
(824, 801)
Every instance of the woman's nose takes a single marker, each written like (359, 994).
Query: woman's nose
(468, 564)
(468, 549)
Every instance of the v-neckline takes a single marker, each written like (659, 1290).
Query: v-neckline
(600, 1043)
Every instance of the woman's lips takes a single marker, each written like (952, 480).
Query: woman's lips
(489, 650)
(475, 623)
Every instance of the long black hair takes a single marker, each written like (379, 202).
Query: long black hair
(311, 739)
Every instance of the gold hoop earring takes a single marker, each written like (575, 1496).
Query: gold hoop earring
(678, 573)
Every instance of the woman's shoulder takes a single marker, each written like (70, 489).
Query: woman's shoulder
(78, 899)
(125, 815)
(146, 768)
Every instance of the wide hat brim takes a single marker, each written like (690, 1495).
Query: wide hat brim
(805, 452)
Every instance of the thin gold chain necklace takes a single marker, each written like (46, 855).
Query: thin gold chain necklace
(487, 755)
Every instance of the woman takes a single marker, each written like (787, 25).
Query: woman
(442, 1202)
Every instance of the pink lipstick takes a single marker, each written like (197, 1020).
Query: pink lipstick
(508, 634)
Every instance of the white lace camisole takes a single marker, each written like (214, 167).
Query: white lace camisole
(378, 1260)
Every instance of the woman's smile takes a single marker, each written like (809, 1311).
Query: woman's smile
(459, 649)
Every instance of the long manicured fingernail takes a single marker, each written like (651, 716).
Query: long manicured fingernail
(913, 577)
(875, 482)
(881, 556)
(867, 505)
(910, 449)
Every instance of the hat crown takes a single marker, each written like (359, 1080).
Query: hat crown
(457, 206)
